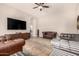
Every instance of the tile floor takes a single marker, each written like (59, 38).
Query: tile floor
(38, 47)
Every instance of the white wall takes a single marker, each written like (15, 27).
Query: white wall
(7, 11)
(62, 19)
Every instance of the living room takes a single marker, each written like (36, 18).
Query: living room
(57, 17)
(35, 21)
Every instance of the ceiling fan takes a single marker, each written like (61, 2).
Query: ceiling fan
(40, 6)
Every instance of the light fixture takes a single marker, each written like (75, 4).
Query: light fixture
(40, 6)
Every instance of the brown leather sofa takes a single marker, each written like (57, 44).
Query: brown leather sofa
(11, 46)
(49, 34)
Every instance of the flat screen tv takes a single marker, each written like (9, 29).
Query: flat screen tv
(15, 24)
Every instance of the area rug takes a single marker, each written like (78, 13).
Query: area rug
(34, 48)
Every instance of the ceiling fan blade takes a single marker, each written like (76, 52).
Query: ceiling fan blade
(45, 6)
(37, 4)
(35, 7)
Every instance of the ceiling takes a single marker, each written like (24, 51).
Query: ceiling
(28, 8)
(54, 8)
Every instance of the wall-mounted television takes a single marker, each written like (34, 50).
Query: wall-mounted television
(15, 24)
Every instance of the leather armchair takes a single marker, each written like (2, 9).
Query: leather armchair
(49, 35)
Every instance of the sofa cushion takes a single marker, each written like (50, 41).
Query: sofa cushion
(55, 42)
(2, 38)
(64, 44)
(11, 36)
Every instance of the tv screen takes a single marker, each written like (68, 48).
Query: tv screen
(15, 24)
